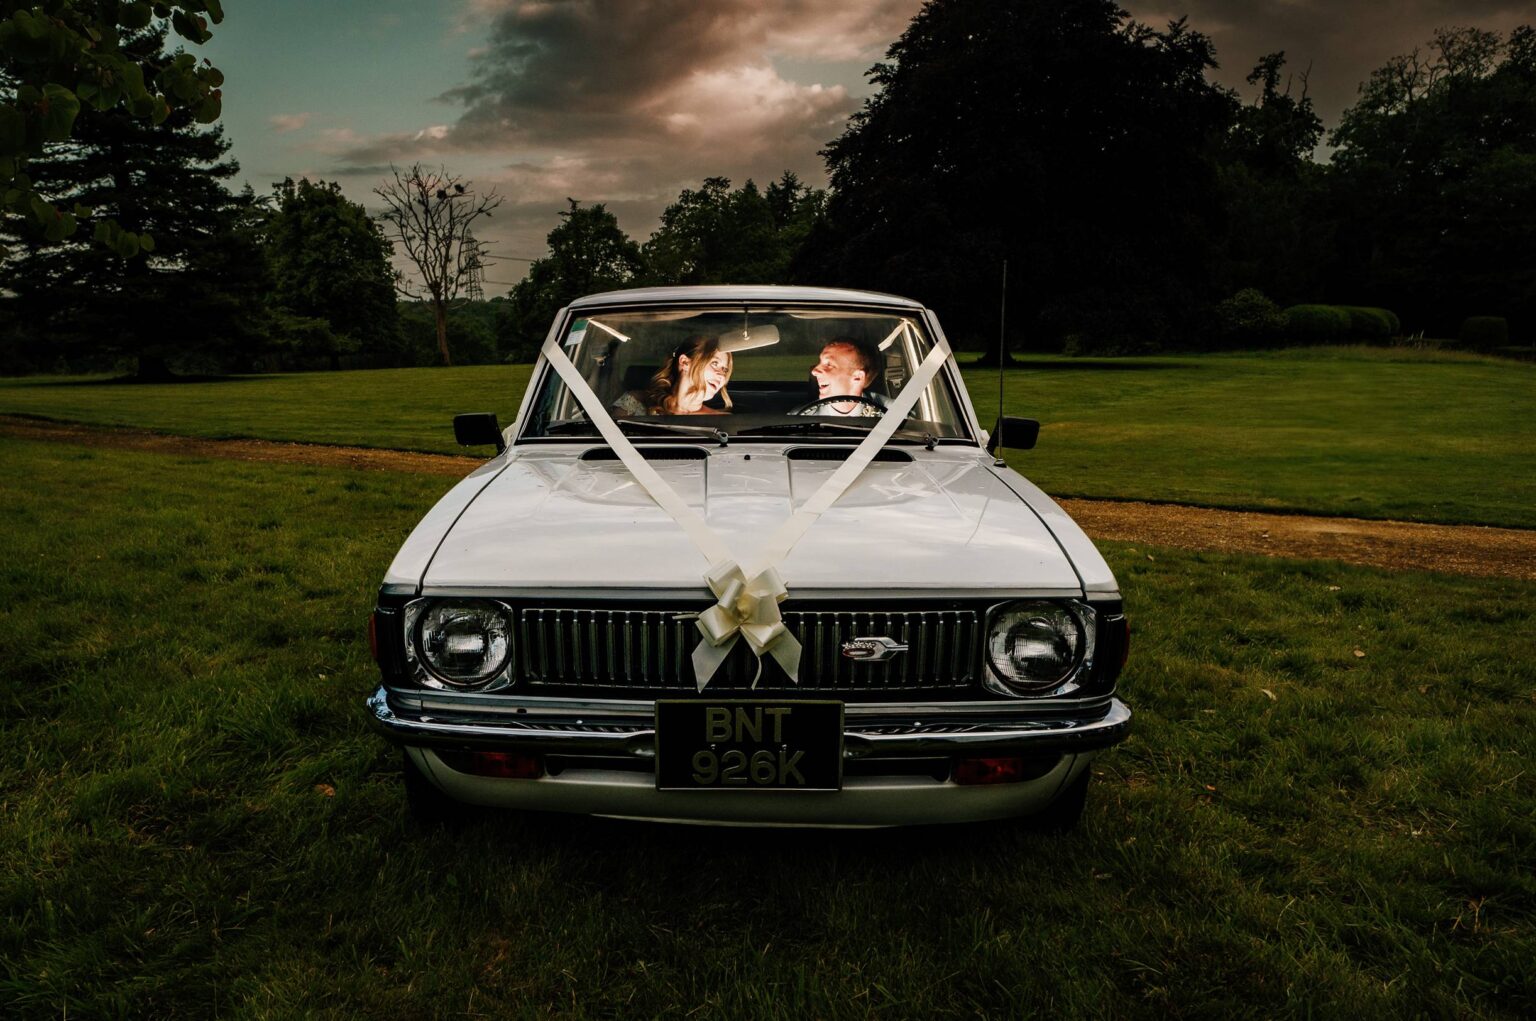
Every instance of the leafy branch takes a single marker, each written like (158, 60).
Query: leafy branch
(61, 57)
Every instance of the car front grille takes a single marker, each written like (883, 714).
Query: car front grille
(610, 652)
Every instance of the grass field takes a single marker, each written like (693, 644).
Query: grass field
(198, 823)
(1377, 433)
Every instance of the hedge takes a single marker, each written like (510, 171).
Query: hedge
(1484, 333)
(1316, 324)
(1333, 324)
(1371, 324)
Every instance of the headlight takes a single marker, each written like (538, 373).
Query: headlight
(1035, 647)
(459, 643)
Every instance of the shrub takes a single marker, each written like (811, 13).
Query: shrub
(1248, 319)
(1372, 325)
(1316, 324)
(1483, 333)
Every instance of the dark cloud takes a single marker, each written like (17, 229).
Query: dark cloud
(644, 71)
(629, 101)
(1335, 43)
(586, 56)
(360, 170)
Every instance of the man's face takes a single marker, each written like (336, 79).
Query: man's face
(839, 372)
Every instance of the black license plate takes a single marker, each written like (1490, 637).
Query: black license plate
(749, 745)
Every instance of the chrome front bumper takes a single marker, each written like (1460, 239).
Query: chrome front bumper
(571, 727)
(625, 731)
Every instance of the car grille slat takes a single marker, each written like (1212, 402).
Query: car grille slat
(650, 651)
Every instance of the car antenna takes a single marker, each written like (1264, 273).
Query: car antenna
(1002, 334)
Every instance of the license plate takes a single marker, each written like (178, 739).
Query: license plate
(749, 745)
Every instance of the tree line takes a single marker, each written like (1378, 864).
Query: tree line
(1137, 206)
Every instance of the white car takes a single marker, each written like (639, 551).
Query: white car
(746, 556)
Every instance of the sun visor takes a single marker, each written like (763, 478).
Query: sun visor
(747, 338)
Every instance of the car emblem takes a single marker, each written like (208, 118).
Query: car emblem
(872, 650)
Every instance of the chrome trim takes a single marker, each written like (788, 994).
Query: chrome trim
(664, 597)
(499, 704)
(872, 648)
(894, 733)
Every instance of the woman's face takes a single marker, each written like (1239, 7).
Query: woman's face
(716, 374)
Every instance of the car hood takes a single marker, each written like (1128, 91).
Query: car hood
(552, 519)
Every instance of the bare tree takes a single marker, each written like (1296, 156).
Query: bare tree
(429, 214)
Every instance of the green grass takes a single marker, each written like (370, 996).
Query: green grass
(1362, 432)
(197, 821)
(1376, 433)
(402, 409)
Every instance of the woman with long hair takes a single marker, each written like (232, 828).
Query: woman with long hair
(695, 373)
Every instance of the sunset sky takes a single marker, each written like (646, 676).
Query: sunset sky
(629, 101)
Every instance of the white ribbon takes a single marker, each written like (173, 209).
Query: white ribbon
(747, 599)
(747, 608)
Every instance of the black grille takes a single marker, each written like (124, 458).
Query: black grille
(573, 650)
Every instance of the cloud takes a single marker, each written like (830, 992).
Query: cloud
(629, 101)
(283, 123)
(798, 29)
(555, 72)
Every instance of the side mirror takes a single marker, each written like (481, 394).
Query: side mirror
(1014, 433)
(477, 429)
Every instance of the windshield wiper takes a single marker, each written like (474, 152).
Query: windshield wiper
(580, 425)
(815, 424)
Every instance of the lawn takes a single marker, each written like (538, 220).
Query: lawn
(1327, 806)
(1377, 433)
(1363, 432)
(403, 409)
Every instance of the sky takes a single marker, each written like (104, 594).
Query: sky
(627, 102)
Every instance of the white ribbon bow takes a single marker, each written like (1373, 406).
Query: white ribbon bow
(746, 609)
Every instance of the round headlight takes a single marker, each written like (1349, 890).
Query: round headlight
(1033, 647)
(464, 643)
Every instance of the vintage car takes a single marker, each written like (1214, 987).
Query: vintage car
(746, 556)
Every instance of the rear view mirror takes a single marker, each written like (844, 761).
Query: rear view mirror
(1014, 433)
(477, 429)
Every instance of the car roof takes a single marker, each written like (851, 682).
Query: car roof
(754, 293)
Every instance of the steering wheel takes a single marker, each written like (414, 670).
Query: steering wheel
(807, 409)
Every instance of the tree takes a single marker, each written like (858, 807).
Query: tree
(1277, 235)
(1435, 183)
(430, 215)
(58, 57)
(1278, 131)
(715, 235)
(797, 210)
(194, 292)
(328, 260)
(1056, 134)
(587, 253)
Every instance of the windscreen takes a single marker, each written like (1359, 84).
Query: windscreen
(749, 373)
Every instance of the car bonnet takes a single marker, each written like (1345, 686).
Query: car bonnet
(559, 519)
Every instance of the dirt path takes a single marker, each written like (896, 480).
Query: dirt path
(1459, 549)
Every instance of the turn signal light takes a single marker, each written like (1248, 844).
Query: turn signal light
(971, 772)
(501, 765)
